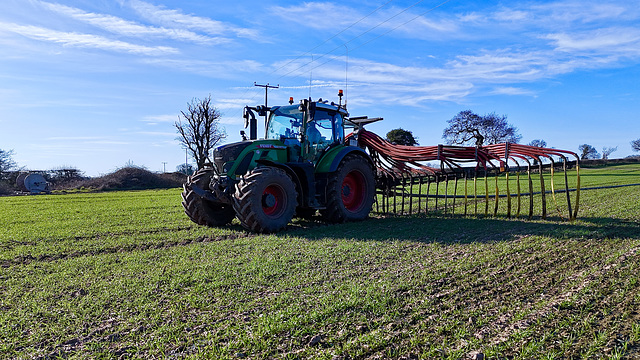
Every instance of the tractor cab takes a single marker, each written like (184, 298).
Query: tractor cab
(309, 128)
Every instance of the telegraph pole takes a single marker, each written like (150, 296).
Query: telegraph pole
(266, 94)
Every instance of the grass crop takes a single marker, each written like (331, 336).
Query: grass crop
(127, 275)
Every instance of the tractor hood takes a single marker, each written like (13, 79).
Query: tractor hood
(227, 153)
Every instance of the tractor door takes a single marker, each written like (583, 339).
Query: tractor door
(322, 130)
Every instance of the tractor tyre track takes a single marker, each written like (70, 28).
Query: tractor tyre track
(28, 259)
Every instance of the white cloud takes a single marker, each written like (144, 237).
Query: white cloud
(560, 14)
(307, 14)
(176, 19)
(155, 119)
(584, 11)
(410, 22)
(612, 40)
(74, 138)
(128, 28)
(84, 40)
(221, 69)
(510, 90)
(512, 15)
(455, 79)
(74, 141)
(232, 104)
(389, 83)
(157, 133)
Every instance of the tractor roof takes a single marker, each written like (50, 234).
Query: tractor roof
(333, 107)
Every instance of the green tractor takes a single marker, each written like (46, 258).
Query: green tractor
(304, 164)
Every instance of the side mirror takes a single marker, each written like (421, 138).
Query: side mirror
(245, 115)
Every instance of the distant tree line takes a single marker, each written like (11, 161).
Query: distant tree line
(9, 172)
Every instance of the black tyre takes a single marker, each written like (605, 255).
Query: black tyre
(199, 210)
(350, 191)
(265, 200)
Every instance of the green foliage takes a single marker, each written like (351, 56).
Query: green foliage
(401, 137)
(127, 275)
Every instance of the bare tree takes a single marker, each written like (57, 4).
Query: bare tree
(635, 145)
(606, 151)
(537, 143)
(587, 152)
(201, 130)
(468, 128)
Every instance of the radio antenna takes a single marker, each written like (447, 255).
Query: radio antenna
(310, 77)
(346, 76)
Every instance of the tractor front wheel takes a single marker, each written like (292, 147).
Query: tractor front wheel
(202, 211)
(265, 200)
(350, 192)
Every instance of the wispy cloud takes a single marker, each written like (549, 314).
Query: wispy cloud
(611, 40)
(562, 12)
(157, 133)
(554, 15)
(156, 119)
(220, 69)
(333, 16)
(510, 90)
(73, 39)
(411, 23)
(541, 42)
(453, 80)
(86, 140)
(172, 18)
(124, 27)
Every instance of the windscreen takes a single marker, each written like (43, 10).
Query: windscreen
(284, 123)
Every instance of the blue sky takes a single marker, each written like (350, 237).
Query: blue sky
(98, 84)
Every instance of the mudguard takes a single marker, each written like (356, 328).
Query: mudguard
(331, 160)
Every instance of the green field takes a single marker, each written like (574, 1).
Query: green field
(127, 275)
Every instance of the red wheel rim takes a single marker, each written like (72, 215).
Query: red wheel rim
(353, 191)
(273, 200)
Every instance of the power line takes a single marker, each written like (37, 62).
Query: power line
(371, 40)
(317, 46)
(403, 24)
(357, 37)
(334, 36)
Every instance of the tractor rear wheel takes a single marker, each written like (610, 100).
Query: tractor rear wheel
(350, 191)
(265, 200)
(202, 211)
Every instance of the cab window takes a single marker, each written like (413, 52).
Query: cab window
(330, 126)
(284, 123)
